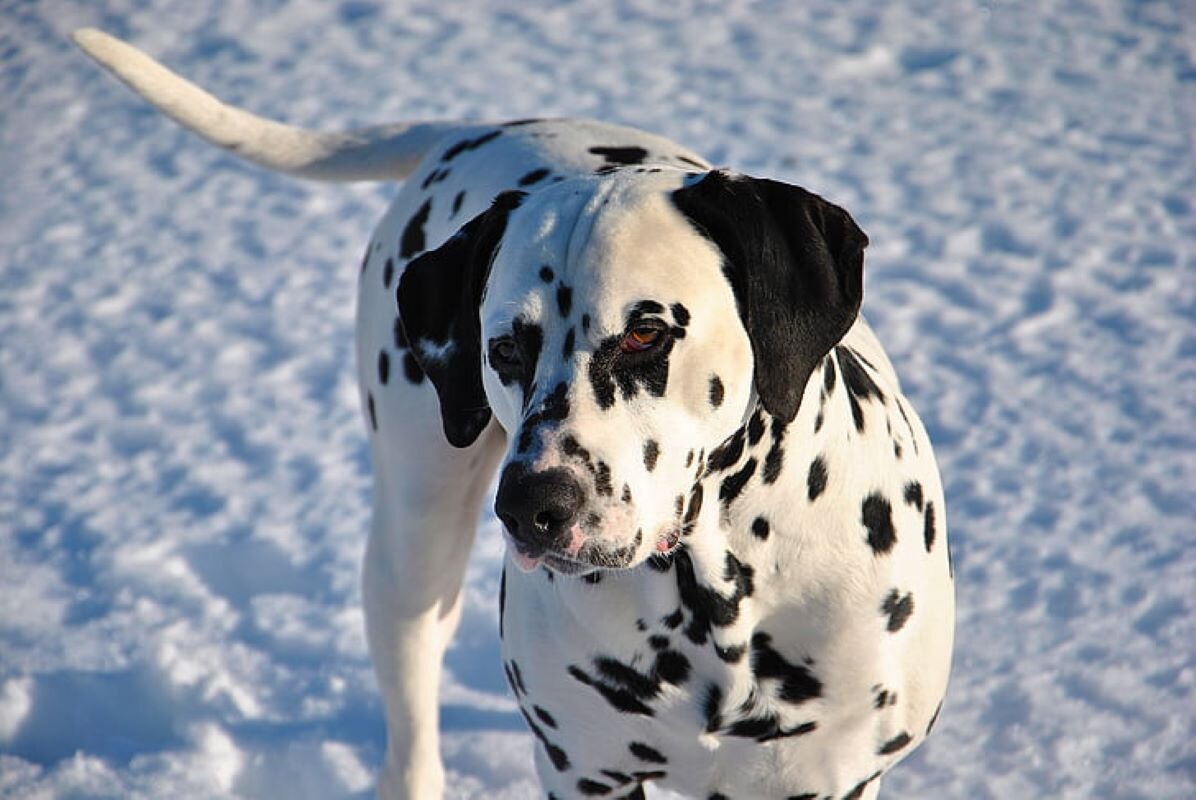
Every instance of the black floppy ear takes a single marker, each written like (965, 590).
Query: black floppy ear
(795, 263)
(439, 296)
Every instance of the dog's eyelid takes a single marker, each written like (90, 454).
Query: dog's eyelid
(639, 322)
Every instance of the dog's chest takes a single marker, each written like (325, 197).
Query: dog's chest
(684, 671)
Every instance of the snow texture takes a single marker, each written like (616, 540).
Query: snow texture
(184, 480)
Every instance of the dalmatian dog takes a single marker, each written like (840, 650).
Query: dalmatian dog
(727, 569)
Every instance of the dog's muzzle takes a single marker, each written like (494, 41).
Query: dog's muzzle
(538, 509)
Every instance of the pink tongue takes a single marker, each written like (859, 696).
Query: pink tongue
(525, 563)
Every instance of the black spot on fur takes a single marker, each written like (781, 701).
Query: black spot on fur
(691, 162)
(649, 775)
(708, 607)
(727, 454)
(544, 716)
(733, 485)
(519, 686)
(651, 453)
(369, 401)
(858, 791)
(797, 683)
(776, 453)
(564, 300)
(680, 314)
(898, 742)
(535, 176)
(767, 727)
(674, 620)
(761, 528)
(859, 383)
(458, 199)
(413, 242)
(695, 506)
(592, 788)
(909, 425)
(647, 753)
(621, 155)
(388, 272)
(434, 177)
(546, 274)
(620, 778)
(466, 145)
(716, 392)
(554, 409)
(585, 323)
(816, 480)
(898, 609)
(928, 527)
(383, 367)
(756, 427)
(558, 757)
(619, 698)
(877, 516)
(913, 494)
(569, 345)
(602, 481)
(670, 666)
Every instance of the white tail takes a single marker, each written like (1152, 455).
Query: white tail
(385, 152)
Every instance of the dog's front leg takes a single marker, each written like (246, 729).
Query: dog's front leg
(426, 506)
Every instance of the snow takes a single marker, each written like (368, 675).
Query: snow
(183, 475)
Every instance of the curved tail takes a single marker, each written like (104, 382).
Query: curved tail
(375, 153)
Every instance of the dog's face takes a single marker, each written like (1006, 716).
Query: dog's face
(614, 357)
(619, 328)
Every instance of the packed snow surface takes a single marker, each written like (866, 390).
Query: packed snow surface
(184, 479)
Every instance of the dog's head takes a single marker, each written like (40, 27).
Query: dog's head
(620, 328)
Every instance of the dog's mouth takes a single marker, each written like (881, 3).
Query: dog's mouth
(668, 541)
(585, 556)
(556, 561)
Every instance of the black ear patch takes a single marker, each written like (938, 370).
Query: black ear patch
(439, 295)
(795, 263)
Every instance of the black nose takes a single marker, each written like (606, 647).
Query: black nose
(537, 508)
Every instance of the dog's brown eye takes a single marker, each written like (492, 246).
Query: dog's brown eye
(640, 338)
(503, 354)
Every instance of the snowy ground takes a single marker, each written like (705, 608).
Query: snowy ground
(183, 472)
